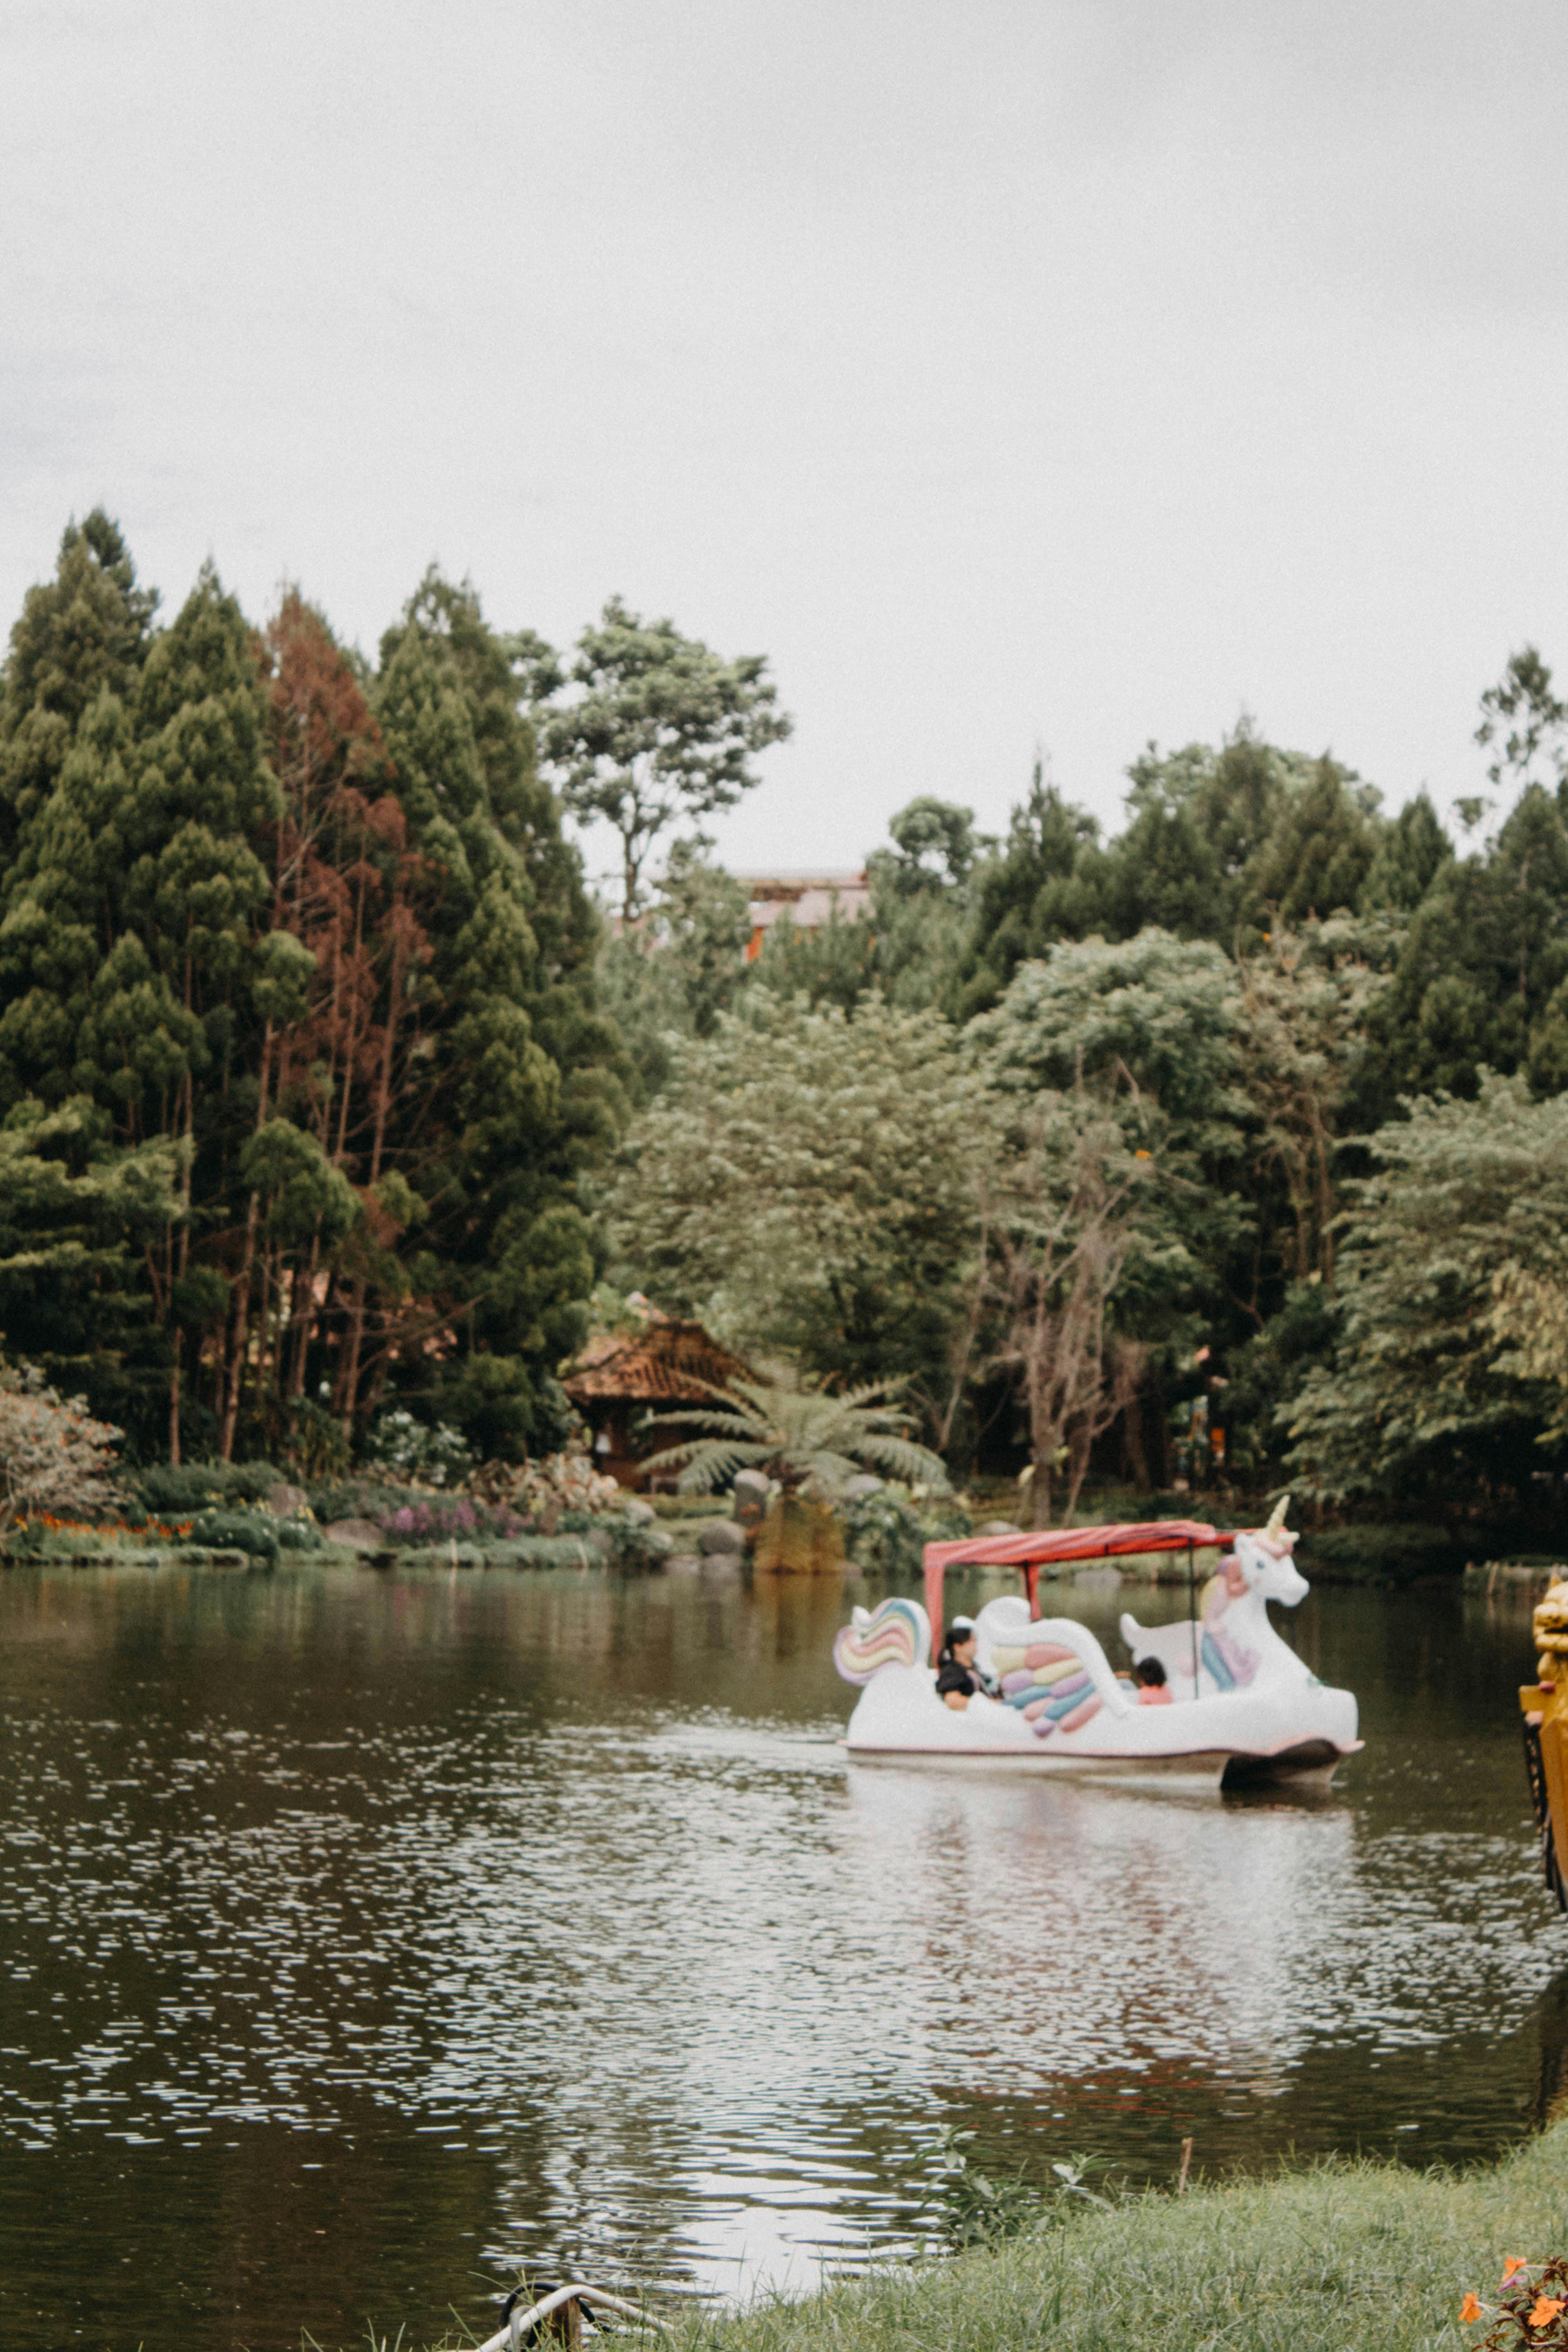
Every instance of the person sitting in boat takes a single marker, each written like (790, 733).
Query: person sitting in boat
(1150, 1677)
(957, 1676)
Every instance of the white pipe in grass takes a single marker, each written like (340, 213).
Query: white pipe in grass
(512, 2333)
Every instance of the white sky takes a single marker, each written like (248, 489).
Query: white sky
(1006, 373)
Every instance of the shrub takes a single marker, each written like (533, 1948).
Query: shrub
(296, 1535)
(887, 1532)
(54, 1457)
(638, 1544)
(420, 1453)
(1392, 1554)
(450, 1519)
(167, 1492)
(359, 1498)
(544, 1491)
(247, 1531)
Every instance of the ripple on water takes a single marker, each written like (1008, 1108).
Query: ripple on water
(570, 1881)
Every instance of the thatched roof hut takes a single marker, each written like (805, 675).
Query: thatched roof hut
(621, 1376)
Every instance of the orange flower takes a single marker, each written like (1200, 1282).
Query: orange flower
(1470, 2308)
(1511, 2263)
(1547, 2308)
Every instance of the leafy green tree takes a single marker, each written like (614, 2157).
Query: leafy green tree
(1305, 1000)
(663, 732)
(935, 847)
(1160, 1012)
(1059, 1221)
(806, 1184)
(922, 904)
(1483, 960)
(78, 1213)
(913, 942)
(1524, 725)
(1215, 840)
(1451, 1246)
(672, 973)
(1041, 888)
(1317, 857)
(1412, 851)
(1152, 1025)
(838, 963)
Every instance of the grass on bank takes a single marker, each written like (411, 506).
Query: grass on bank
(1342, 2257)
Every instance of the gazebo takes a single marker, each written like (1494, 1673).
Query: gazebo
(621, 1375)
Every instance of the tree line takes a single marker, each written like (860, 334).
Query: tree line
(1233, 1140)
(301, 1060)
(327, 1089)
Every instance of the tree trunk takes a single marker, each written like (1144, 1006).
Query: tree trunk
(1137, 1452)
(1040, 1487)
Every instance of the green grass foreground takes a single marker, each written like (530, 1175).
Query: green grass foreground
(1344, 2257)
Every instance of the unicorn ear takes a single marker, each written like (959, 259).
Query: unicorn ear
(859, 1619)
(1276, 1517)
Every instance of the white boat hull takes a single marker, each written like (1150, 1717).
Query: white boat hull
(1301, 1731)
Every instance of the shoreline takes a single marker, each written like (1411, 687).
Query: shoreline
(1348, 2255)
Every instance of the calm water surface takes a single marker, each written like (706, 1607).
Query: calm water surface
(363, 1938)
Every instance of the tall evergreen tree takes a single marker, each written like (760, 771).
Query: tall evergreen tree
(82, 633)
(1041, 888)
(518, 1073)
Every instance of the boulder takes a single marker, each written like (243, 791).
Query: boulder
(750, 1497)
(355, 1534)
(998, 1528)
(287, 1502)
(715, 1536)
(640, 1513)
(863, 1483)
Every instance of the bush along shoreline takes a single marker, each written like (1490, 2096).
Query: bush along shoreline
(66, 1495)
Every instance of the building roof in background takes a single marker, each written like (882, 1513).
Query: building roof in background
(810, 899)
(792, 881)
(668, 1362)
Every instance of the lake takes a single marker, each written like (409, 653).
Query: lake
(364, 1936)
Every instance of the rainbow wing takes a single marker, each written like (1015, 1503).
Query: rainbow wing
(1049, 1684)
(896, 1634)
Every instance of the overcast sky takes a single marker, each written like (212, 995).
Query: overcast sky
(1007, 374)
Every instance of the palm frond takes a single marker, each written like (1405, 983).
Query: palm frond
(798, 1433)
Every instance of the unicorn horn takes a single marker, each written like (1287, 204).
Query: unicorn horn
(1276, 1517)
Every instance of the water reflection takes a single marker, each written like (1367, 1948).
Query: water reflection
(360, 1937)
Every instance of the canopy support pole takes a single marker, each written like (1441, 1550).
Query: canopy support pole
(1193, 1616)
(933, 1568)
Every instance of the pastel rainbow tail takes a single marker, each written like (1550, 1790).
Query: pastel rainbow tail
(896, 1634)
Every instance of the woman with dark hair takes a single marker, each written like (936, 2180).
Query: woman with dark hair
(957, 1677)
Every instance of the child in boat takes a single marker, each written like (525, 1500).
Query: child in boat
(1150, 1677)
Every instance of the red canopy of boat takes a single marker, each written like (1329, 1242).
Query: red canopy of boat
(1031, 1552)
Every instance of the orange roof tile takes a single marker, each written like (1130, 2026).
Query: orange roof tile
(669, 1363)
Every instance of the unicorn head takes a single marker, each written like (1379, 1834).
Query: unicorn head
(1263, 1555)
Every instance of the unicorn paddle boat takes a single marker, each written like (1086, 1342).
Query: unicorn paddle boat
(1243, 1706)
